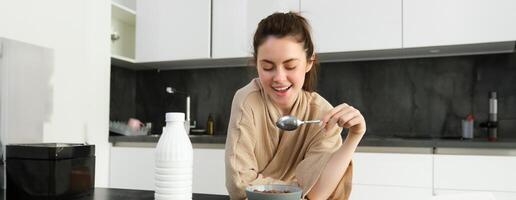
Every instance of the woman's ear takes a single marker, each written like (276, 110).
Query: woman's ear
(310, 63)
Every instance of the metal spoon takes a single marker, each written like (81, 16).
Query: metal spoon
(290, 123)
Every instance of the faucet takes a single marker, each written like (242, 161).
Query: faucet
(188, 124)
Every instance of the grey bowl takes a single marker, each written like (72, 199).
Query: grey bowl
(294, 192)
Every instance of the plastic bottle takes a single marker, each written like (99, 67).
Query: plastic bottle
(174, 161)
(492, 123)
(467, 127)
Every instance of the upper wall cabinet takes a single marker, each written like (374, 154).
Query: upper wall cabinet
(122, 31)
(445, 22)
(235, 21)
(354, 25)
(169, 30)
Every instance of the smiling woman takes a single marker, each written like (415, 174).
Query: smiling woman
(312, 157)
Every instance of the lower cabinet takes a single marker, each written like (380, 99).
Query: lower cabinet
(393, 169)
(385, 176)
(133, 168)
(496, 195)
(482, 173)
(391, 176)
(466, 174)
(371, 192)
(209, 173)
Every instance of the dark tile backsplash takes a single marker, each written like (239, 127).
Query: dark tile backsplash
(122, 99)
(423, 97)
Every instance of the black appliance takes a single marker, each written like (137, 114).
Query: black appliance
(49, 171)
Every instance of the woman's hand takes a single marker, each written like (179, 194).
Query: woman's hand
(345, 116)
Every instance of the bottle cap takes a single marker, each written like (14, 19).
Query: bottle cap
(470, 117)
(492, 95)
(175, 117)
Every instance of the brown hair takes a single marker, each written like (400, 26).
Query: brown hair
(288, 24)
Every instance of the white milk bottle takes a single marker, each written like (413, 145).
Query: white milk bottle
(174, 161)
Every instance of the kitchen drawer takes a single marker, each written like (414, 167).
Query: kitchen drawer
(469, 172)
(374, 192)
(209, 171)
(393, 169)
(132, 168)
(497, 195)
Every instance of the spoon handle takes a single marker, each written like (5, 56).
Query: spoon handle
(311, 121)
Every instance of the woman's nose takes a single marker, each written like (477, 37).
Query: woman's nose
(280, 75)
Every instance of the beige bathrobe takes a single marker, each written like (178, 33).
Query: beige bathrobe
(257, 152)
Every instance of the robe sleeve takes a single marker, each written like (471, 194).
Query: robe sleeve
(240, 158)
(319, 153)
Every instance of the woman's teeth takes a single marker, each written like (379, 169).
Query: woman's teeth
(282, 88)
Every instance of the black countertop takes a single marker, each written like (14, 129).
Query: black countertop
(123, 194)
(438, 143)
(366, 141)
(199, 139)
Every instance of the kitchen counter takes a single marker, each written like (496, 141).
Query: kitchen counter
(438, 143)
(123, 194)
(199, 139)
(367, 141)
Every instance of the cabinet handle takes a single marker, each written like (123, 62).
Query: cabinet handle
(115, 36)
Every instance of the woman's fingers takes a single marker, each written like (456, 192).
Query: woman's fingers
(341, 115)
(332, 112)
(351, 122)
(335, 118)
(345, 116)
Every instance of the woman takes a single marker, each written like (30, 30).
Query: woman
(312, 156)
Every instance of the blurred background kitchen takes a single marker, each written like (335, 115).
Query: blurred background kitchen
(423, 72)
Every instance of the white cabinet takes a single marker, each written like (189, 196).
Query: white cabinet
(354, 25)
(391, 176)
(169, 30)
(496, 195)
(122, 32)
(393, 169)
(483, 173)
(369, 192)
(133, 168)
(235, 21)
(444, 22)
(189, 33)
(209, 173)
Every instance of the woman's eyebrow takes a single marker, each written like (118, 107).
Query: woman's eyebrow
(267, 61)
(286, 61)
(290, 60)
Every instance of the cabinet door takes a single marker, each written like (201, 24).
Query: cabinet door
(484, 173)
(168, 30)
(444, 22)
(483, 195)
(354, 25)
(393, 169)
(209, 172)
(369, 192)
(123, 24)
(132, 168)
(235, 21)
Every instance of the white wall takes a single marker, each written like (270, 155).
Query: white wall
(78, 32)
